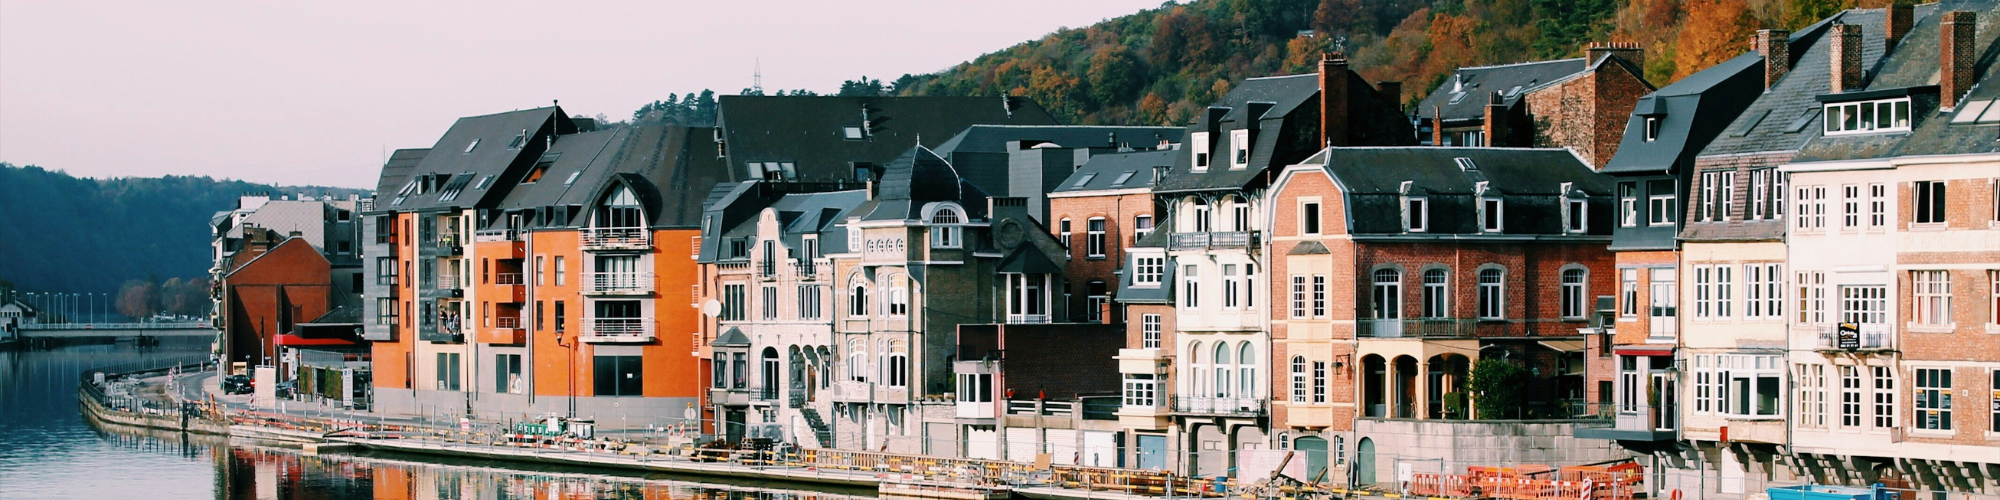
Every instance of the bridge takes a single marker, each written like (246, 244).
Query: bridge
(47, 336)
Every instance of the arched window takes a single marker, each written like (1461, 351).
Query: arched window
(1574, 293)
(1222, 369)
(945, 229)
(620, 209)
(1246, 370)
(857, 361)
(1298, 379)
(1388, 298)
(1492, 302)
(768, 380)
(857, 299)
(1284, 440)
(897, 369)
(1436, 301)
(899, 300)
(1197, 384)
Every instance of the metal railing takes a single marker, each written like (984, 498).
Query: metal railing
(486, 235)
(1199, 405)
(513, 322)
(1204, 240)
(447, 281)
(616, 238)
(1028, 319)
(1437, 328)
(508, 279)
(385, 280)
(618, 283)
(618, 330)
(1871, 337)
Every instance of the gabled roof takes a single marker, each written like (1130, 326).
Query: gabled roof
(308, 218)
(810, 132)
(1027, 259)
(1282, 115)
(994, 138)
(1786, 116)
(1529, 180)
(1118, 171)
(396, 171)
(732, 337)
(1689, 113)
(475, 147)
(1914, 67)
(1463, 95)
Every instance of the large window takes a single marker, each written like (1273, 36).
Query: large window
(1878, 205)
(978, 388)
(1232, 296)
(1932, 295)
(1319, 295)
(1142, 225)
(1574, 293)
(1492, 301)
(1660, 203)
(1850, 396)
(1319, 381)
(1299, 379)
(769, 297)
(945, 229)
(1436, 298)
(896, 369)
(1812, 395)
(447, 371)
(1885, 397)
(733, 307)
(507, 373)
(1884, 115)
(1628, 204)
(1933, 399)
(1140, 389)
(1930, 208)
(899, 301)
(619, 375)
(1812, 296)
(857, 300)
(1094, 238)
(1628, 292)
(1760, 291)
(809, 303)
(1298, 296)
(1864, 304)
(1149, 331)
(1751, 384)
(1388, 296)
(1148, 270)
(1190, 287)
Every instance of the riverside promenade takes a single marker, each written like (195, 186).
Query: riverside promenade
(185, 398)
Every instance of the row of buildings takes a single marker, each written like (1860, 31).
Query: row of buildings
(1494, 277)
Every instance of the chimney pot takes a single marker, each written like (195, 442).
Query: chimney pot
(1898, 24)
(1776, 48)
(1495, 126)
(1955, 71)
(1846, 58)
(1630, 52)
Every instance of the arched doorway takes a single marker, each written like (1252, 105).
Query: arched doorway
(769, 389)
(1314, 449)
(1373, 399)
(1406, 387)
(1364, 462)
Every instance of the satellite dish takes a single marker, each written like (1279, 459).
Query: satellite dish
(712, 307)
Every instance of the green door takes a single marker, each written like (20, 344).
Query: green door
(1314, 450)
(1364, 462)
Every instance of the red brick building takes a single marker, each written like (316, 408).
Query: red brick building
(271, 286)
(1393, 270)
(1099, 211)
(1580, 103)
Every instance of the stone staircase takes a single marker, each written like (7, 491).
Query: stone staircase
(820, 430)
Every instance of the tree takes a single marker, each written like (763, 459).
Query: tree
(1716, 31)
(865, 87)
(139, 299)
(1336, 16)
(1497, 388)
(1114, 75)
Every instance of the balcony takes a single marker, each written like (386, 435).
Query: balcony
(1872, 337)
(618, 283)
(492, 235)
(1028, 319)
(1630, 422)
(447, 282)
(1226, 407)
(616, 238)
(807, 270)
(505, 331)
(767, 269)
(849, 391)
(385, 280)
(1438, 328)
(445, 244)
(1213, 240)
(614, 330)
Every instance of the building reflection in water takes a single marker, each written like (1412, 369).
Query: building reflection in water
(259, 473)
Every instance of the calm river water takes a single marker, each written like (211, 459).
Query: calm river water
(48, 451)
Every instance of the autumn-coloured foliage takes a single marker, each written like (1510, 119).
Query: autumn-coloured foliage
(1715, 31)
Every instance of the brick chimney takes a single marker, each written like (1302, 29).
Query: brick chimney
(1776, 48)
(1846, 58)
(1496, 121)
(1393, 91)
(1629, 51)
(1897, 25)
(1437, 126)
(1955, 71)
(1333, 100)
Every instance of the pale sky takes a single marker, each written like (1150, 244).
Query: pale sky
(313, 92)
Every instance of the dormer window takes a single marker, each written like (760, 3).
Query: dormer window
(1416, 214)
(1652, 128)
(473, 144)
(1883, 115)
(945, 229)
(1239, 149)
(1578, 216)
(1492, 217)
(1199, 145)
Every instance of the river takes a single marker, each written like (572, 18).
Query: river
(49, 451)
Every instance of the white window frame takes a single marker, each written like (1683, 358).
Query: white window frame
(1866, 117)
(1850, 206)
(1492, 295)
(1884, 380)
(1436, 295)
(1298, 296)
(1492, 214)
(1093, 239)
(1149, 331)
(1922, 214)
(1319, 382)
(1063, 235)
(1930, 298)
(1319, 295)
(1628, 205)
(1750, 371)
(1310, 218)
(1147, 270)
(1199, 151)
(1708, 196)
(1232, 296)
(1878, 205)
(1141, 389)
(1190, 287)
(1628, 292)
(1416, 214)
(1851, 390)
(1298, 379)
(1728, 194)
(1578, 216)
(1575, 295)
(1239, 149)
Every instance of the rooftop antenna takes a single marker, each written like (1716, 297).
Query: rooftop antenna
(757, 77)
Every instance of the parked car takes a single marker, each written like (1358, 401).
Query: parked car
(238, 384)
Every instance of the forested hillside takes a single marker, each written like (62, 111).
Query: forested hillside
(60, 233)
(1160, 66)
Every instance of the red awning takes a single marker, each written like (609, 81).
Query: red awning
(1645, 351)
(286, 339)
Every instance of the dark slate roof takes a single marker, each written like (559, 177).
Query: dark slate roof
(1787, 115)
(1163, 294)
(799, 214)
(1103, 172)
(1278, 139)
(396, 171)
(1028, 259)
(1529, 180)
(731, 337)
(1691, 112)
(1463, 96)
(994, 138)
(1914, 66)
(663, 164)
(809, 131)
(916, 178)
(490, 156)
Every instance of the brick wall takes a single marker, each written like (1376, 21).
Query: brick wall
(1118, 211)
(1586, 114)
